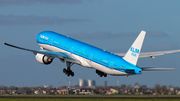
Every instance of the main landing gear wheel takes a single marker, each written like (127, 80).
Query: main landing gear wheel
(101, 74)
(68, 71)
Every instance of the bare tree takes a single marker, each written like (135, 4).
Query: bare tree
(177, 88)
(157, 88)
(64, 87)
(164, 89)
(109, 87)
(123, 86)
(76, 86)
(12, 87)
(171, 86)
(50, 86)
(136, 84)
(5, 88)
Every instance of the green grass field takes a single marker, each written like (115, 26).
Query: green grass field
(80, 99)
(86, 99)
(96, 95)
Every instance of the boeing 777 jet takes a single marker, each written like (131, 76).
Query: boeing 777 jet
(54, 45)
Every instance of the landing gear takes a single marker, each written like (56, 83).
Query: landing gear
(101, 73)
(68, 71)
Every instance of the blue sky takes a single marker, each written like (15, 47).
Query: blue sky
(112, 25)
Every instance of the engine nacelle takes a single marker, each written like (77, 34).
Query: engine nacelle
(41, 58)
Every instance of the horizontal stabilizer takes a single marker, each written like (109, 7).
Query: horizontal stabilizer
(156, 69)
(152, 54)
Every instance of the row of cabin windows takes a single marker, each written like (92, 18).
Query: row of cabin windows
(78, 52)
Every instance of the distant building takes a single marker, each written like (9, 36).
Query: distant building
(108, 92)
(105, 84)
(87, 83)
(114, 91)
(171, 91)
(2, 92)
(136, 87)
(76, 91)
(10, 91)
(85, 91)
(64, 92)
(178, 93)
(44, 92)
(82, 83)
(91, 83)
(36, 92)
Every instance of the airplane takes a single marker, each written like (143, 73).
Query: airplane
(66, 49)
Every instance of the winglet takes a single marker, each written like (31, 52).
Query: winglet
(134, 51)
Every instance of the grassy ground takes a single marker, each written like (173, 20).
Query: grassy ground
(86, 99)
(79, 99)
(97, 95)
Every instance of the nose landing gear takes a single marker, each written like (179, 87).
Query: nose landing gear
(68, 71)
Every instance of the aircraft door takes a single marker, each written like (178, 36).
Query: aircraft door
(51, 42)
(112, 64)
(72, 49)
(91, 57)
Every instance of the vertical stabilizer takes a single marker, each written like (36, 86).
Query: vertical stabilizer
(133, 53)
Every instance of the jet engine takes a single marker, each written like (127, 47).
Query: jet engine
(41, 58)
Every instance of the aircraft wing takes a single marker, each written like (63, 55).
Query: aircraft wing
(151, 54)
(49, 53)
(155, 69)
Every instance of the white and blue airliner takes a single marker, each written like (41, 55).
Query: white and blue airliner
(54, 45)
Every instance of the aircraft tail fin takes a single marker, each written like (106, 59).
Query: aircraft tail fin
(133, 53)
